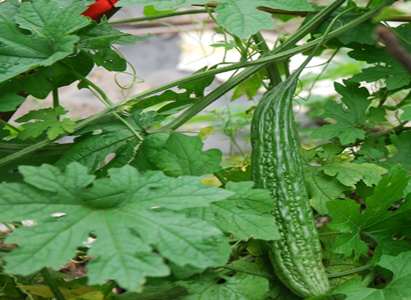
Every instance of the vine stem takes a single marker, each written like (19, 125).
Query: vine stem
(52, 285)
(276, 55)
(369, 277)
(109, 289)
(161, 16)
(105, 99)
(56, 101)
(221, 178)
(272, 69)
(349, 272)
(248, 271)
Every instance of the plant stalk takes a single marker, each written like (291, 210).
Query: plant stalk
(272, 69)
(52, 285)
(161, 16)
(56, 101)
(349, 272)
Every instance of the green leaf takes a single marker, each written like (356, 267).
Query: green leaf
(108, 136)
(50, 20)
(9, 9)
(336, 263)
(162, 4)
(177, 154)
(239, 17)
(47, 121)
(350, 173)
(38, 83)
(97, 39)
(149, 10)
(397, 288)
(348, 122)
(47, 35)
(406, 115)
(403, 144)
(395, 75)
(246, 214)
(346, 218)
(131, 214)
(239, 287)
(377, 221)
(363, 33)
(322, 188)
(248, 87)
(236, 174)
(192, 91)
(10, 101)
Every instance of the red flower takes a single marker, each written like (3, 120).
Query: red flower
(99, 8)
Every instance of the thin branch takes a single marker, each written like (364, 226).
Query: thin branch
(51, 284)
(349, 272)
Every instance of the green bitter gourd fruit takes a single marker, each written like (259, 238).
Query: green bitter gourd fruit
(276, 165)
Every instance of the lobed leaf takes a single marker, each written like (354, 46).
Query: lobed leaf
(47, 37)
(347, 128)
(177, 154)
(131, 214)
(47, 120)
(350, 173)
(245, 214)
(377, 221)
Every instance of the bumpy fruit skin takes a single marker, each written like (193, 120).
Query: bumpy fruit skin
(276, 166)
(99, 8)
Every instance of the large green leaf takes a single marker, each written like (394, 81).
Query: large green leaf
(47, 36)
(131, 214)
(38, 83)
(9, 9)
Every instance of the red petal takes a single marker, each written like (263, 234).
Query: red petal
(99, 8)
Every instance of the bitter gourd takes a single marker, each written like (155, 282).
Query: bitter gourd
(277, 166)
